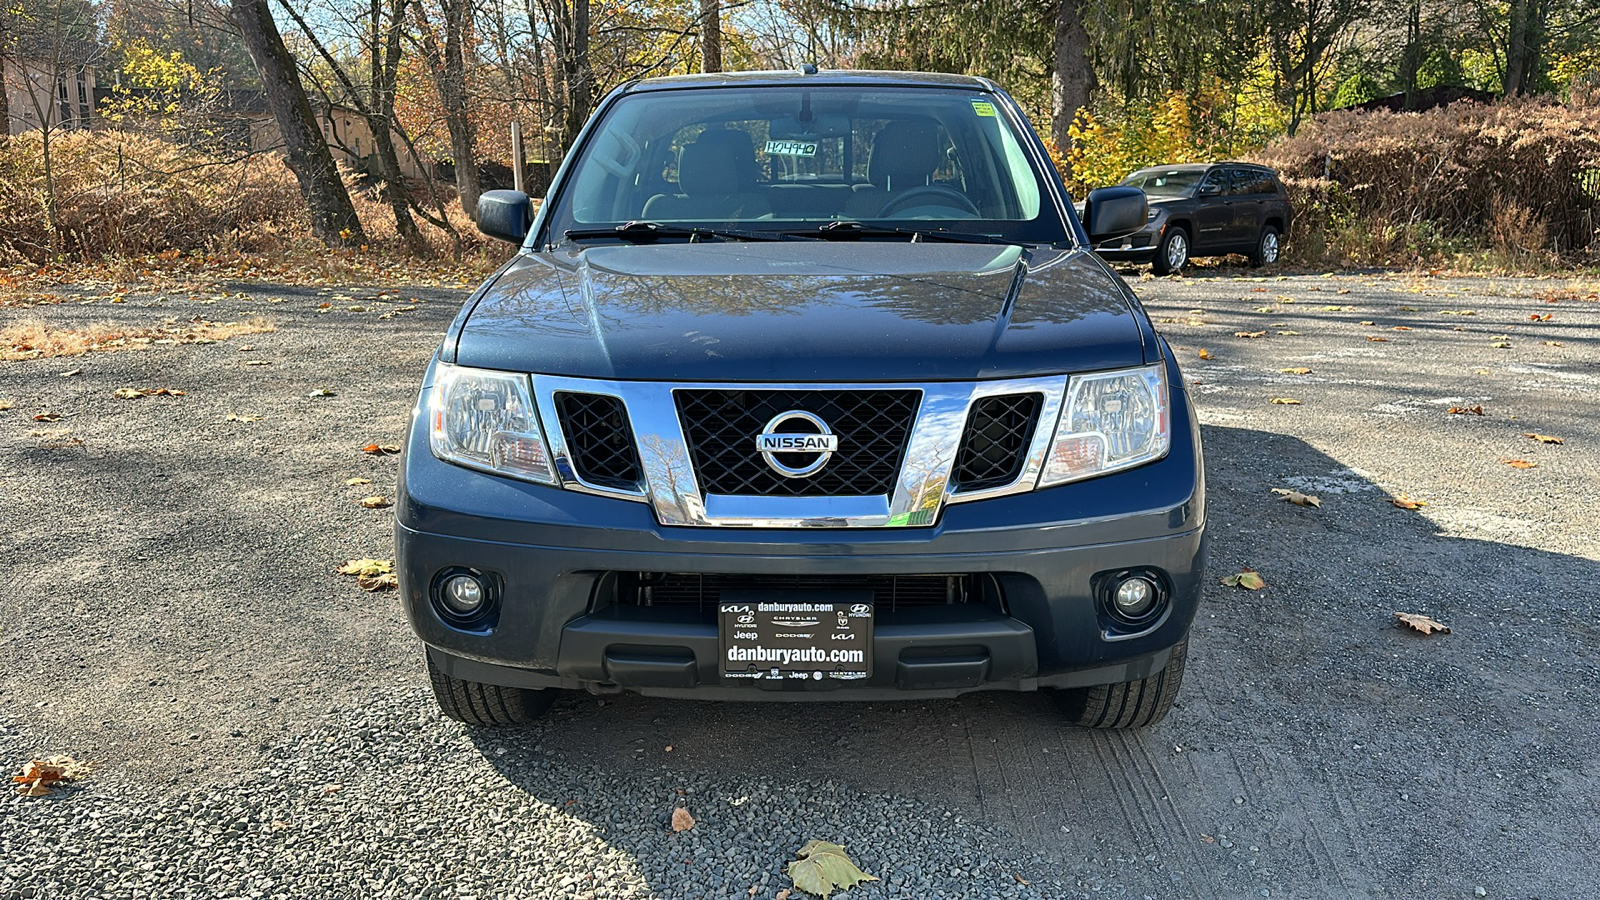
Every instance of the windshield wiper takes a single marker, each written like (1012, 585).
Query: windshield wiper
(639, 232)
(847, 228)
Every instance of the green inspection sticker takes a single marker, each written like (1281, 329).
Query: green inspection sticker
(983, 108)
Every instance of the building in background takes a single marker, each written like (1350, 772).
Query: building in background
(49, 84)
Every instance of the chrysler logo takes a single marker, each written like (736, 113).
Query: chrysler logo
(818, 441)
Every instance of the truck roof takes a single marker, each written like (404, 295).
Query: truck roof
(829, 77)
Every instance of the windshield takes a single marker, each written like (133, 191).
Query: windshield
(794, 159)
(1164, 182)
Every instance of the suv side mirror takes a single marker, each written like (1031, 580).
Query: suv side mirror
(505, 215)
(1209, 190)
(1111, 212)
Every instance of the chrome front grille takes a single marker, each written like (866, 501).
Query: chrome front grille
(903, 451)
(872, 426)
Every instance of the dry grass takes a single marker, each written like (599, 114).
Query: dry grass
(1503, 185)
(36, 340)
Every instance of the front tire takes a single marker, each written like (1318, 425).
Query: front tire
(1129, 704)
(1172, 254)
(487, 705)
(1268, 248)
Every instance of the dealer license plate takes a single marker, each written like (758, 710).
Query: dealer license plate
(772, 638)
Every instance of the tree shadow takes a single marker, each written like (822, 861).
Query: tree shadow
(1317, 749)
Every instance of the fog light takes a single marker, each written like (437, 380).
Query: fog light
(1135, 596)
(463, 594)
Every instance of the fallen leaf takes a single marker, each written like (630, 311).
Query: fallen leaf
(1501, 345)
(40, 776)
(1422, 623)
(1207, 839)
(385, 582)
(332, 788)
(1247, 578)
(1519, 463)
(127, 393)
(321, 392)
(367, 568)
(1377, 339)
(1249, 334)
(235, 417)
(377, 502)
(1465, 410)
(1297, 498)
(1297, 370)
(823, 868)
(1342, 291)
(381, 449)
(1458, 312)
(1288, 334)
(1544, 318)
(681, 820)
(782, 895)
(71, 373)
(47, 417)
(1204, 353)
(1543, 438)
(1553, 344)
(6, 404)
(355, 481)
(1285, 401)
(1401, 328)
(1405, 502)
(1366, 323)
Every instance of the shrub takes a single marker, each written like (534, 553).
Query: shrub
(1511, 178)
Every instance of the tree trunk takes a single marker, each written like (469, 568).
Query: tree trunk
(5, 97)
(1524, 45)
(380, 116)
(448, 67)
(1411, 58)
(1072, 76)
(333, 217)
(710, 35)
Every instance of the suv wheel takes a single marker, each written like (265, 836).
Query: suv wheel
(486, 704)
(1268, 246)
(1172, 254)
(1130, 704)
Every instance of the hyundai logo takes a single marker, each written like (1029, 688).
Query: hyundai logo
(771, 442)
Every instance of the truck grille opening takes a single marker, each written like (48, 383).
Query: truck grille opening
(994, 448)
(889, 592)
(873, 427)
(599, 439)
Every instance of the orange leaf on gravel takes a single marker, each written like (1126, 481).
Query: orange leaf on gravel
(1465, 410)
(1249, 334)
(1377, 339)
(355, 481)
(1422, 623)
(1246, 578)
(681, 820)
(381, 449)
(1519, 463)
(1405, 502)
(47, 417)
(1285, 401)
(1544, 318)
(376, 502)
(1204, 353)
(1543, 438)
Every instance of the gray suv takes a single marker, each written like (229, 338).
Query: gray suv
(1205, 209)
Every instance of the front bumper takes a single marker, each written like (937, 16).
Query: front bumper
(563, 622)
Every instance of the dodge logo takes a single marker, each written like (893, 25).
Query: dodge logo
(815, 441)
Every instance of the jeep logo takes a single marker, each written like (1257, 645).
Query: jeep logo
(818, 440)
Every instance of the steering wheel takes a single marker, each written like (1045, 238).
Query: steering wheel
(954, 199)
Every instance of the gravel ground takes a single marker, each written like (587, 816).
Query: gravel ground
(258, 725)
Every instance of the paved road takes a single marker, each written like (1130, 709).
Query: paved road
(260, 727)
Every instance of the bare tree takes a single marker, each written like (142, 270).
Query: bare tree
(1072, 79)
(447, 64)
(333, 216)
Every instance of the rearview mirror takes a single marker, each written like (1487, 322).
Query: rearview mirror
(505, 215)
(1112, 212)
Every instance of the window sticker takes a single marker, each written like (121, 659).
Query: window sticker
(983, 108)
(791, 148)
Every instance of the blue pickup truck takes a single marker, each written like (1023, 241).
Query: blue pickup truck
(804, 386)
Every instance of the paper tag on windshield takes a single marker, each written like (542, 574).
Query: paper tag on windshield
(791, 148)
(983, 108)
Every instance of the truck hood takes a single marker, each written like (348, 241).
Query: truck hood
(803, 311)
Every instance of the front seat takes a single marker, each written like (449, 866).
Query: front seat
(905, 154)
(717, 178)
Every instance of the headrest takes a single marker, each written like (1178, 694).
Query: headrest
(904, 154)
(719, 161)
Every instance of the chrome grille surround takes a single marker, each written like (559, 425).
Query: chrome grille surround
(919, 492)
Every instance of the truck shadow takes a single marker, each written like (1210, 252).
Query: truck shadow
(1317, 749)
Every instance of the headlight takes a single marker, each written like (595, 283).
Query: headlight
(1152, 214)
(1110, 421)
(486, 420)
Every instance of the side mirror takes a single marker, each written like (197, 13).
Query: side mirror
(1208, 190)
(505, 215)
(1111, 212)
